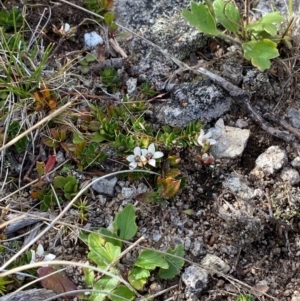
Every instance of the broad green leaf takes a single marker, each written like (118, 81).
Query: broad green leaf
(59, 182)
(110, 237)
(201, 18)
(137, 277)
(125, 223)
(260, 53)
(123, 292)
(267, 23)
(78, 138)
(227, 14)
(105, 284)
(104, 255)
(175, 264)
(150, 260)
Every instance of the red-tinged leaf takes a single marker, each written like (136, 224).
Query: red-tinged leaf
(34, 194)
(58, 283)
(50, 163)
(54, 133)
(173, 173)
(170, 187)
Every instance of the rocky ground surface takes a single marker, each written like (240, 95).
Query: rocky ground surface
(244, 219)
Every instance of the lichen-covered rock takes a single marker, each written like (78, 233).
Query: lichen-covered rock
(290, 175)
(215, 264)
(273, 159)
(205, 102)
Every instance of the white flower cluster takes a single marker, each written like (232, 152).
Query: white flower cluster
(142, 156)
(38, 255)
(204, 140)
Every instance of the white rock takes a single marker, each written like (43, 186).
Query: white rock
(195, 279)
(274, 158)
(290, 175)
(239, 186)
(296, 162)
(231, 141)
(92, 39)
(215, 263)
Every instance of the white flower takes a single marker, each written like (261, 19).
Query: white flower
(137, 159)
(205, 139)
(39, 255)
(150, 154)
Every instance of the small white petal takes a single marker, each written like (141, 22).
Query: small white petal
(67, 27)
(212, 141)
(130, 158)
(201, 134)
(151, 148)
(144, 152)
(40, 250)
(49, 257)
(137, 151)
(207, 135)
(158, 155)
(133, 165)
(200, 141)
(152, 162)
(32, 256)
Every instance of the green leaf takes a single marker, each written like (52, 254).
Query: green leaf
(102, 255)
(267, 24)
(138, 277)
(105, 284)
(109, 237)
(59, 182)
(175, 264)
(227, 14)
(89, 277)
(149, 259)
(124, 292)
(125, 223)
(201, 17)
(260, 53)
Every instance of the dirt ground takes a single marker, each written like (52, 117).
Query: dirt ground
(270, 253)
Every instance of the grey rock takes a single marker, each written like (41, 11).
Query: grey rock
(231, 141)
(274, 158)
(296, 296)
(128, 192)
(290, 175)
(176, 36)
(239, 186)
(195, 280)
(232, 71)
(294, 116)
(160, 22)
(198, 248)
(258, 84)
(105, 186)
(215, 263)
(241, 123)
(296, 162)
(131, 85)
(205, 102)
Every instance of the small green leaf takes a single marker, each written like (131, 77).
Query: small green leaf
(90, 58)
(78, 137)
(175, 264)
(102, 255)
(260, 53)
(105, 284)
(201, 17)
(122, 292)
(267, 23)
(125, 223)
(138, 277)
(149, 259)
(227, 14)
